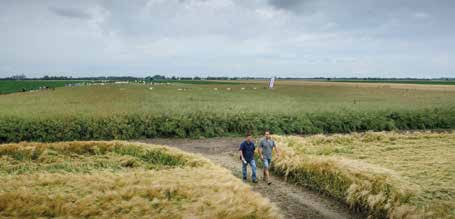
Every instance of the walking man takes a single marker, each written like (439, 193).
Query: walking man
(247, 156)
(266, 146)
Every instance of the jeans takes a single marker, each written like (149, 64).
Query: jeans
(253, 169)
(267, 162)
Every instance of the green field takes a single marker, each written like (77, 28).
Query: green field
(187, 98)
(12, 86)
(397, 175)
(192, 110)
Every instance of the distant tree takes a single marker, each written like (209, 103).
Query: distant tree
(159, 77)
(18, 77)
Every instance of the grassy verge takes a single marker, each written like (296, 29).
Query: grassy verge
(393, 175)
(119, 179)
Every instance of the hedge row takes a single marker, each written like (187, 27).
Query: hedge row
(198, 124)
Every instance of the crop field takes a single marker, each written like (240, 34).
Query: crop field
(428, 82)
(120, 179)
(219, 98)
(391, 174)
(387, 174)
(12, 86)
(135, 111)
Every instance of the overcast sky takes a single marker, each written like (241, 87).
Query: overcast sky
(306, 38)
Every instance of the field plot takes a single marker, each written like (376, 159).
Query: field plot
(193, 110)
(11, 86)
(107, 179)
(247, 97)
(390, 174)
(429, 82)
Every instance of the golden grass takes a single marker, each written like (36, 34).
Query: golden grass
(178, 184)
(391, 174)
(428, 87)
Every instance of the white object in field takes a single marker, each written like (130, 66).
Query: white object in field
(228, 88)
(215, 88)
(254, 88)
(179, 89)
(272, 82)
(243, 88)
(151, 88)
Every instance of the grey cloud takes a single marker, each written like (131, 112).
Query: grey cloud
(70, 12)
(292, 5)
(229, 36)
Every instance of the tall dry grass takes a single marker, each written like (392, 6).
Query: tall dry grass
(181, 185)
(392, 175)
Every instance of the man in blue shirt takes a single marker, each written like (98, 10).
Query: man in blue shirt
(247, 156)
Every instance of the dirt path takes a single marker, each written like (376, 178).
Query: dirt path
(294, 201)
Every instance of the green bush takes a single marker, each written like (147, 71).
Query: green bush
(199, 124)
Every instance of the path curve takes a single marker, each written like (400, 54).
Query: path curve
(293, 201)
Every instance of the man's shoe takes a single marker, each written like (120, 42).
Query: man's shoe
(269, 183)
(255, 181)
(244, 179)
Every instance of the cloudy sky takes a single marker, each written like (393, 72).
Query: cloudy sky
(297, 38)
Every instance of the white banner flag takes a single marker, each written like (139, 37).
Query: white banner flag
(272, 82)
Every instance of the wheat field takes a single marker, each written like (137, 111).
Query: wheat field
(390, 174)
(118, 179)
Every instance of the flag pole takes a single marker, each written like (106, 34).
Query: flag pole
(272, 82)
